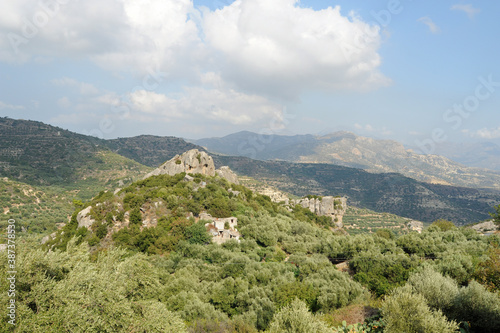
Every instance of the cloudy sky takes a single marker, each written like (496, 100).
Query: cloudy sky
(407, 70)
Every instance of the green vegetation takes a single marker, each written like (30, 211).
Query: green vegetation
(280, 277)
(387, 192)
(360, 221)
(496, 215)
(36, 209)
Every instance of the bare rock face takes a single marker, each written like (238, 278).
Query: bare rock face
(416, 226)
(325, 206)
(84, 219)
(227, 174)
(191, 162)
(488, 226)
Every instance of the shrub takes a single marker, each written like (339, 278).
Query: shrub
(479, 307)
(135, 217)
(197, 234)
(295, 318)
(406, 311)
(439, 291)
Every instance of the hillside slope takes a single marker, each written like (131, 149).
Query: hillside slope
(389, 192)
(347, 149)
(38, 154)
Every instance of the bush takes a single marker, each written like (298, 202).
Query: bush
(439, 291)
(406, 311)
(444, 225)
(135, 217)
(295, 318)
(197, 234)
(479, 307)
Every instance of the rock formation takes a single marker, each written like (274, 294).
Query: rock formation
(193, 162)
(485, 227)
(325, 206)
(227, 174)
(84, 219)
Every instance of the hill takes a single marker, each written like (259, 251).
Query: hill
(38, 154)
(147, 251)
(36, 209)
(148, 149)
(480, 155)
(389, 192)
(347, 149)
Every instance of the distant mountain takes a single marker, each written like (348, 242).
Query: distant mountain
(481, 155)
(150, 150)
(347, 149)
(80, 166)
(386, 192)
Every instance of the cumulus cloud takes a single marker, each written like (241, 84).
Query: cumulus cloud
(118, 35)
(223, 105)
(238, 61)
(276, 45)
(430, 24)
(258, 45)
(10, 106)
(467, 9)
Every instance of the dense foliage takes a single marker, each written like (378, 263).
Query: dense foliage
(123, 275)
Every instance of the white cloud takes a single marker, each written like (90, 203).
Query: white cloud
(276, 45)
(430, 24)
(484, 133)
(222, 105)
(84, 88)
(241, 58)
(467, 9)
(118, 35)
(10, 106)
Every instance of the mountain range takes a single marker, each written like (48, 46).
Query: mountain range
(43, 155)
(347, 149)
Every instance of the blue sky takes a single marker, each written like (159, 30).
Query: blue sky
(420, 72)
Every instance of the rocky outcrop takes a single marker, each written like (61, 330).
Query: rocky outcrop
(416, 226)
(227, 174)
(84, 219)
(335, 207)
(193, 162)
(485, 227)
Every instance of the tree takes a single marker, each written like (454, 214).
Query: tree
(444, 225)
(295, 318)
(135, 216)
(197, 234)
(406, 311)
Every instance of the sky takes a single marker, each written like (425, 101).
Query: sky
(420, 72)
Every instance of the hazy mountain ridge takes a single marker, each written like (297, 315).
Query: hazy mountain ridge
(387, 192)
(481, 155)
(347, 149)
(96, 167)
